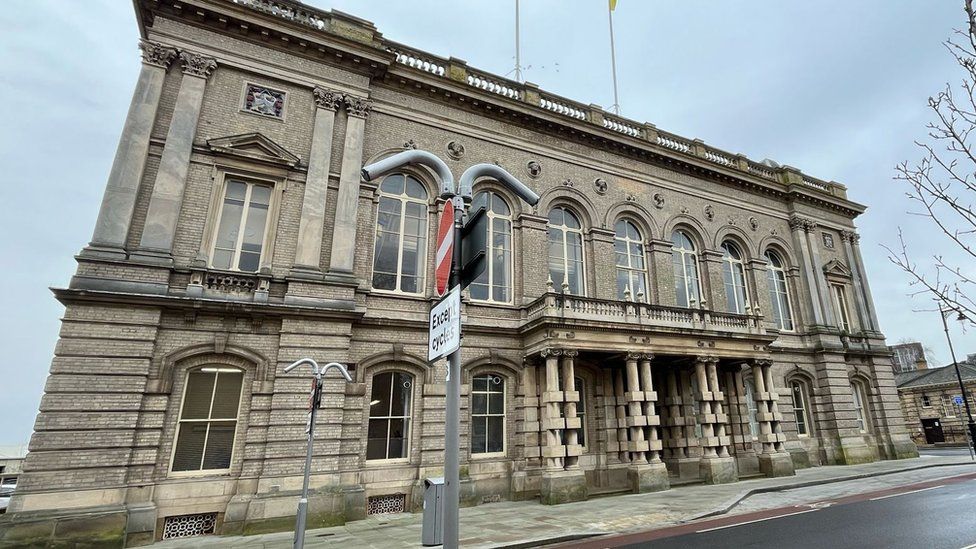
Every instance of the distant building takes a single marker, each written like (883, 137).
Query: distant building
(932, 402)
(908, 357)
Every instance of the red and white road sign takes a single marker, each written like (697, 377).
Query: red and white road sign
(445, 248)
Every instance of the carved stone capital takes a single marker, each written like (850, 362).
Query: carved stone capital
(156, 54)
(546, 353)
(195, 64)
(327, 99)
(762, 362)
(570, 353)
(633, 356)
(358, 106)
(850, 236)
(706, 359)
(647, 356)
(802, 223)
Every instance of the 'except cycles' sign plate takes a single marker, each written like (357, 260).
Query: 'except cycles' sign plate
(445, 326)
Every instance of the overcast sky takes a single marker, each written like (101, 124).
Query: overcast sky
(836, 88)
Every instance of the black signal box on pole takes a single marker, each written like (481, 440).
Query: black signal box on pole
(474, 246)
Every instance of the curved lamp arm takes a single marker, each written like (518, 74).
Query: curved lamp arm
(342, 370)
(424, 158)
(471, 174)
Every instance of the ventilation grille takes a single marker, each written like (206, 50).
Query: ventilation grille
(384, 505)
(184, 526)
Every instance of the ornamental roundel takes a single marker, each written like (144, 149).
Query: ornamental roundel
(264, 101)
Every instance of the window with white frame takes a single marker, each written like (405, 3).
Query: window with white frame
(860, 398)
(628, 247)
(566, 251)
(400, 249)
(389, 416)
(494, 285)
(801, 407)
(948, 406)
(734, 275)
(208, 419)
(684, 257)
(242, 226)
(840, 304)
(487, 414)
(779, 292)
(753, 409)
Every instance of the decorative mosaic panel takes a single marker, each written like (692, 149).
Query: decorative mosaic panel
(184, 526)
(265, 101)
(384, 505)
(828, 240)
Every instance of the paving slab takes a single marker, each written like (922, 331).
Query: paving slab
(512, 524)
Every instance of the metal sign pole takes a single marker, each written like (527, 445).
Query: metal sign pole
(452, 439)
(317, 373)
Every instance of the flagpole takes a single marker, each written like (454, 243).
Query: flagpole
(613, 62)
(518, 59)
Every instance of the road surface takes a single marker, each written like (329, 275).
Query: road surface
(937, 514)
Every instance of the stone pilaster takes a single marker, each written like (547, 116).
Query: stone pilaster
(647, 473)
(552, 421)
(309, 247)
(118, 202)
(663, 279)
(799, 226)
(347, 206)
(620, 414)
(563, 481)
(167, 195)
(862, 291)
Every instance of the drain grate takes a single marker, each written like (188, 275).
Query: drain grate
(385, 505)
(185, 526)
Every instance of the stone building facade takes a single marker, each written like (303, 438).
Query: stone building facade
(668, 313)
(933, 404)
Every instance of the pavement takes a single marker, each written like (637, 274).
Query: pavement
(529, 524)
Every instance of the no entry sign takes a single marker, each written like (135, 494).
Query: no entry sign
(445, 248)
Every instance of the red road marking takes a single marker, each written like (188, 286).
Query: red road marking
(708, 524)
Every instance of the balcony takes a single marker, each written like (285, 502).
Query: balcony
(561, 308)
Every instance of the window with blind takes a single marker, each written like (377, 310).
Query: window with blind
(208, 419)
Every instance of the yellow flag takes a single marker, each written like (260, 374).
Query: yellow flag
(613, 4)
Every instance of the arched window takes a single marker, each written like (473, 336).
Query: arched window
(208, 419)
(487, 414)
(389, 416)
(495, 282)
(734, 274)
(779, 292)
(566, 251)
(684, 257)
(628, 247)
(400, 251)
(860, 398)
(801, 407)
(751, 405)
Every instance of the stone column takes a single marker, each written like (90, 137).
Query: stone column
(563, 480)
(156, 244)
(774, 461)
(648, 474)
(716, 465)
(571, 399)
(609, 404)
(619, 392)
(635, 415)
(862, 291)
(308, 250)
(119, 200)
(798, 226)
(347, 205)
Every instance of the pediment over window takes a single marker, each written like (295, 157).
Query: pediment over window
(254, 147)
(835, 268)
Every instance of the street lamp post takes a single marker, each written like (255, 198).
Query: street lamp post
(962, 387)
(318, 374)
